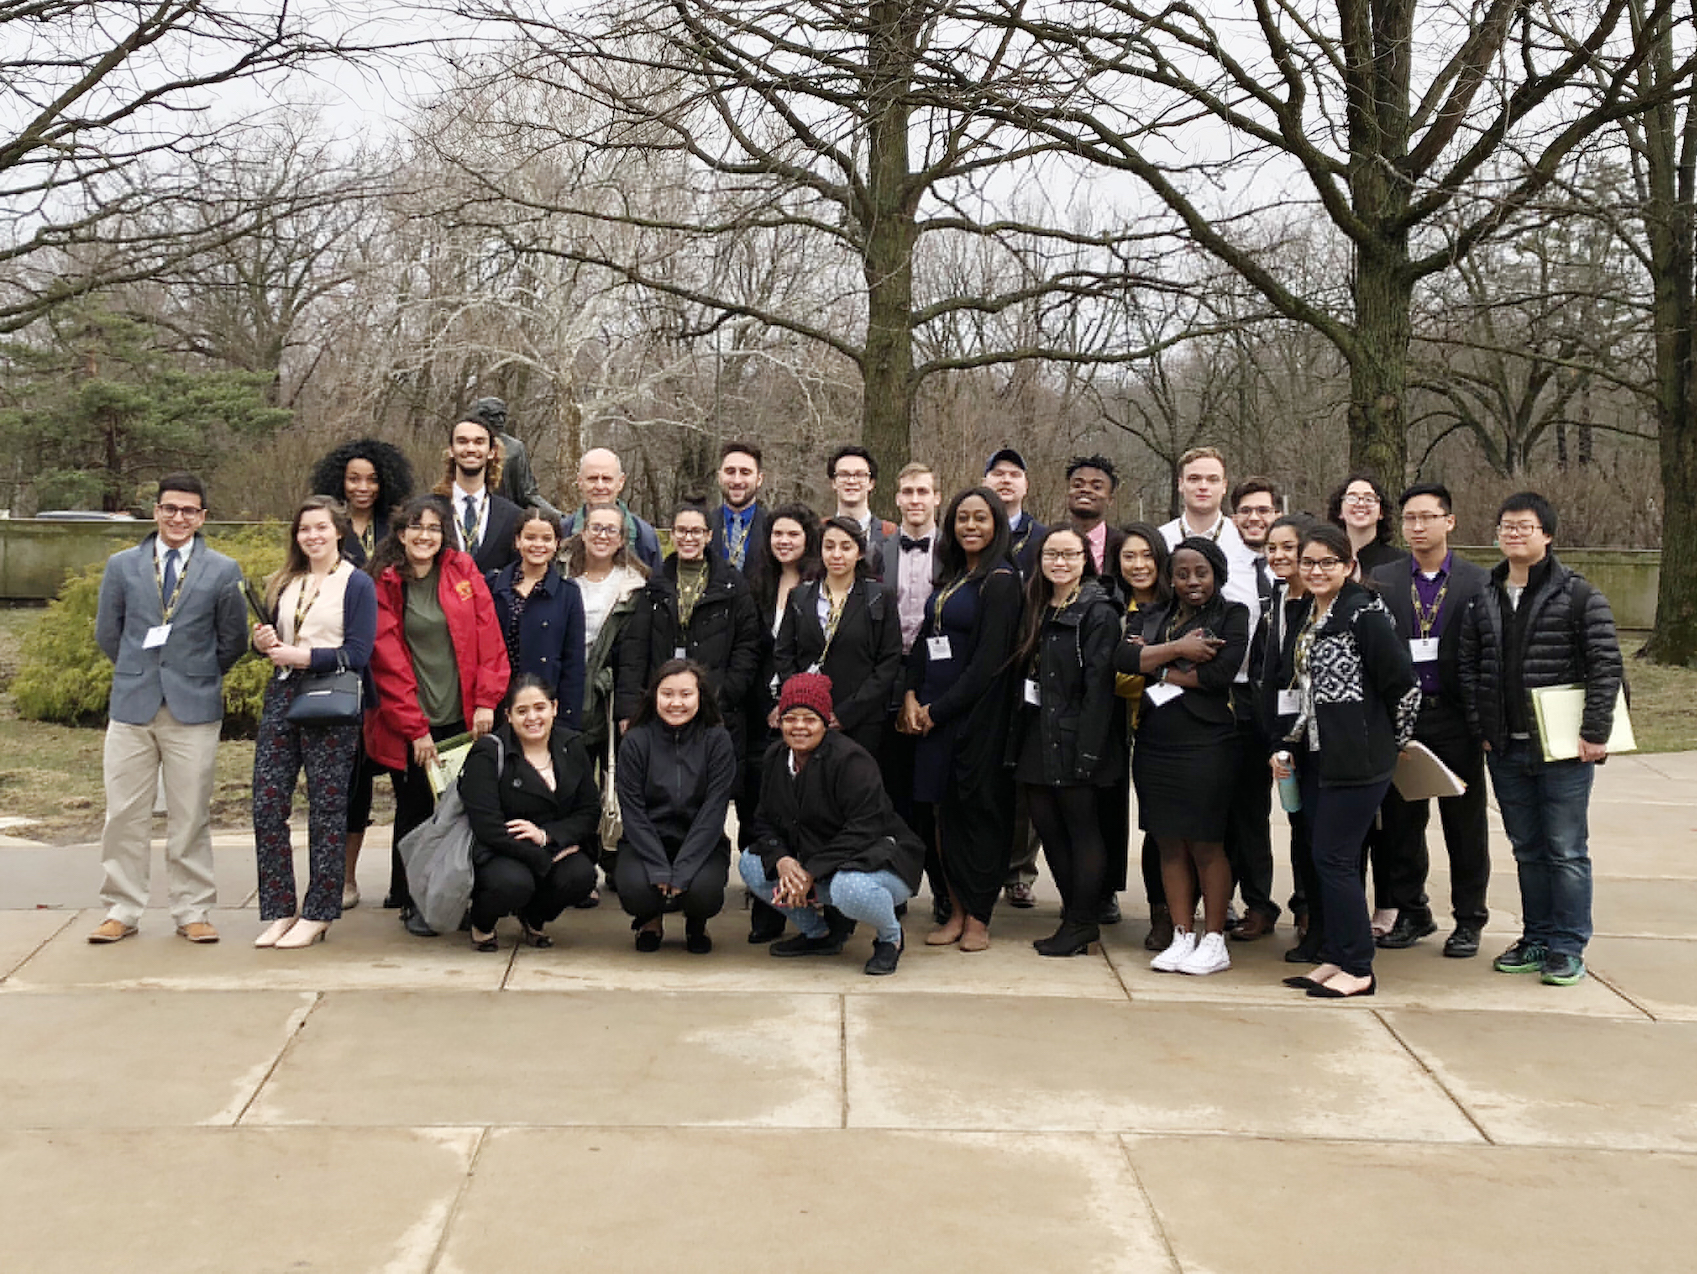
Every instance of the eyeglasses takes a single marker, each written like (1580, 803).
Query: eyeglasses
(1356, 497)
(853, 475)
(1519, 530)
(1422, 519)
(179, 510)
(1255, 510)
(1062, 555)
(601, 532)
(425, 528)
(689, 532)
(1312, 564)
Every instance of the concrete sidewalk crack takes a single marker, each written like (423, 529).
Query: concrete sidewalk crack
(459, 1198)
(1435, 1077)
(288, 1043)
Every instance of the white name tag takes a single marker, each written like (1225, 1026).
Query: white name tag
(1290, 702)
(1033, 695)
(1423, 650)
(680, 653)
(938, 648)
(1160, 692)
(156, 636)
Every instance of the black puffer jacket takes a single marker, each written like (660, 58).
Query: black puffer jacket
(723, 636)
(1075, 676)
(1507, 651)
(498, 784)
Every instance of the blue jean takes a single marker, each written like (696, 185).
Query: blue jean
(1545, 805)
(872, 896)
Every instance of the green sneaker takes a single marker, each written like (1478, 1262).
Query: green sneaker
(1524, 956)
(1561, 969)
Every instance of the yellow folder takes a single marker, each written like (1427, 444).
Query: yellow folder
(1561, 710)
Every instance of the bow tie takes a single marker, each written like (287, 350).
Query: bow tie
(923, 544)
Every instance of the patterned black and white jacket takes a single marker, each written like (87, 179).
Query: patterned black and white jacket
(1359, 701)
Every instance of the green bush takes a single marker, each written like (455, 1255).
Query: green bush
(64, 677)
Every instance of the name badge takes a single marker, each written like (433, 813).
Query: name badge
(1423, 650)
(1159, 692)
(938, 648)
(156, 636)
(814, 667)
(1033, 696)
(1290, 702)
(680, 653)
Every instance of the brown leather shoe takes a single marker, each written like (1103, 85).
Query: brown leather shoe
(1160, 935)
(198, 931)
(1253, 925)
(110, 931)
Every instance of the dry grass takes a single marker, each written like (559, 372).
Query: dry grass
(1664, 704)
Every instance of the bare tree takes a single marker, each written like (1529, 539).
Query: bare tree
(99, 100)
(1416, 129)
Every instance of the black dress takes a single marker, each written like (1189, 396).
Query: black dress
(958, 766)
(1185, 763)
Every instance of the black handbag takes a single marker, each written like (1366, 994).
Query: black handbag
(329, 698)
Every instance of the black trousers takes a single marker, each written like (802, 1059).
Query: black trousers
(1113, 812)
(1069, 821)
(1338, 819)
(895, 760)
(702, 899)
(414, 804)
(1400, 868)
(1249, 835)
(975, 831)
(506, 887)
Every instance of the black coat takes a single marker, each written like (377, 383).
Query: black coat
(1110, 563)
(834, 815)
(1211, 700)
(1466, 581)
(1022, 547)
(1550, 646)
(493, 794)
(865, 656)
(674, 788)
(1366, 698)
(723, 636)
(1075, 713)
(495, 550)
(550, 635)
(756, 549)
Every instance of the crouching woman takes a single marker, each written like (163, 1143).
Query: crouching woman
(530, 797)
(827, 835)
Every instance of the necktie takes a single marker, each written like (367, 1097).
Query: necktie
(923, 544)
(1263, 582)
(170, 585)
(468, 524)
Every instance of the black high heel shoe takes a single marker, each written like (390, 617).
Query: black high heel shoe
(1073, 938)
(1328, 992)
(536, 938)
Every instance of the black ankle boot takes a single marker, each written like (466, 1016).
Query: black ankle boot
(1073, 938)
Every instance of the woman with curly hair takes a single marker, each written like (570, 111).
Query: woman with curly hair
(1361, 510)
(373, 479)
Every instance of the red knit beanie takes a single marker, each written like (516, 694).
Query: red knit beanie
(811, 690)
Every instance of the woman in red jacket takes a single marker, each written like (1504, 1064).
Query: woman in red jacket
(440, 664)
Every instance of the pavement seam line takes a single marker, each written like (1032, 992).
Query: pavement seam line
(459, 1198)
(1114, 968)
(842, 1054)
(1148, 1201)
(70, 919)
(1597, 977)
(1436, 1078)
(317, 999)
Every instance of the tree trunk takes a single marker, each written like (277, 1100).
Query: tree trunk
(889, 226)
(1378, 365)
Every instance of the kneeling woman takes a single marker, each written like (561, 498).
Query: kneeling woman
(826, 834)
(677, 770)
(529, 794)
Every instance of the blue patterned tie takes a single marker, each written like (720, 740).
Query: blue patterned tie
(170, 575)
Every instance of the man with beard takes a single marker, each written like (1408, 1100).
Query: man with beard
(739, 523)
(485, 523)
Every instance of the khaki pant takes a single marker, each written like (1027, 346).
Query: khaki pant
(135, 756)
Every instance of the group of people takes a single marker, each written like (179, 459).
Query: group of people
(883, 703)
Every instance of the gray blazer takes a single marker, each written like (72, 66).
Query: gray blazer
(208, 634)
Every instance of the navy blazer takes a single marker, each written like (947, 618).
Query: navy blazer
(756, 538)
(550, 634)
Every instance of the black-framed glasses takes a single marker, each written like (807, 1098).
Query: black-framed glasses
(179, 510)
(1312, 564)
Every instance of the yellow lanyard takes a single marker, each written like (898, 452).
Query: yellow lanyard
(1425, 620)
(168, 605)
(941, 600)
(303, 603)
(833, 617)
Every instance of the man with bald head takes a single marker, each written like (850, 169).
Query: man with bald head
(601, 480)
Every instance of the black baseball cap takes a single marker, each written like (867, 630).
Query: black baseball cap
(1006, 453)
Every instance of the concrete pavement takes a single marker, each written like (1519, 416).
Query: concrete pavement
(384, 1103)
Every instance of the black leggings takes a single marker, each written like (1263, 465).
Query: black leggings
(1069, 823)
(506, 887)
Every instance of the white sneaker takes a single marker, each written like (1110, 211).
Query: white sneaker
(1168, 961)
(350, 896)
(1209, 956)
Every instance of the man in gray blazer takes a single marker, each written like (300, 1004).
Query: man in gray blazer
(172, 620)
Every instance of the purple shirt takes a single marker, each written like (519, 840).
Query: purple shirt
(1426, 592)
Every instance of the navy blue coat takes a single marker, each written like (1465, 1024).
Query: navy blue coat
(550, 634)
